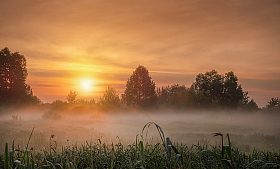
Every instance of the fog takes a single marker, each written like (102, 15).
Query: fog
(247, 130)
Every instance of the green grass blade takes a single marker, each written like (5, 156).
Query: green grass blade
(228, 163)
(161, 134)
(136, 142)
(178, 156)
(71, 165)
(91, 157)
(50, 164)
(58, 165)
(30, 138)
(228, 149)
(11, 154)
(155, 148)
(175, 150)
(27, 161)
(141, 147)
(168, 147)
(177, 153)
(112, 162)
(26, 152)
(6, 156)
(32, 162)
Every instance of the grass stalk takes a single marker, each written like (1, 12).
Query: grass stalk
(6, 162)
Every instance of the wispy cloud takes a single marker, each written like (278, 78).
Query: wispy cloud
(174, 40)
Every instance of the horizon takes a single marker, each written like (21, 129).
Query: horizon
(86, 46)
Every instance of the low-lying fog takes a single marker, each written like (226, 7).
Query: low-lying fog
(247, 131)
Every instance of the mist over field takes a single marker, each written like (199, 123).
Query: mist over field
(247, 130)
(96, 84)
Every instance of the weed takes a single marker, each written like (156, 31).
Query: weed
(140, 154)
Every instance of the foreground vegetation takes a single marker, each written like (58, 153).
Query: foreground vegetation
(142, 153)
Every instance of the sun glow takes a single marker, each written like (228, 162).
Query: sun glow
(87, 85)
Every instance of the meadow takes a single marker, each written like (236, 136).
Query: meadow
(128, 140)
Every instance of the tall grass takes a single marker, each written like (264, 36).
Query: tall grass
(139, 154)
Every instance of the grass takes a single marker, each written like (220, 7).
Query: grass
(140, 154)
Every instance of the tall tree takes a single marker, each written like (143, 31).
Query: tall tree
(140, 89)
(232, 92)
(209, 88)
(13, 74)
(215, 90)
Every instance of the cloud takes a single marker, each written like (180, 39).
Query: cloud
(174, 40)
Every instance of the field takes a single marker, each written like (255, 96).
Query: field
(114, 140)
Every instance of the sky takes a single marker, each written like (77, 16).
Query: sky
(68, 42)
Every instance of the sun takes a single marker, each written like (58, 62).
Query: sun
(87, 85)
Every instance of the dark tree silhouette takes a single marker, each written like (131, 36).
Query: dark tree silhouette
(140, 89)
(176, 96)
(13, 74)
(209, 87)
(215, 90)
(232, 92)
(273, 105)
(252, 105)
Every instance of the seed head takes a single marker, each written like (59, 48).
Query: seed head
(218, 134)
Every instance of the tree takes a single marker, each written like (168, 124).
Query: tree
(164, 97)
(232, 92)
(176, 96)
(59, 105)
(13, 74)
(273, 105)
(110, 99)
(140, 89)
(252, 106)
(246, 105)
(57, 108)
(214, 90)
(71, 97)
(209, 87)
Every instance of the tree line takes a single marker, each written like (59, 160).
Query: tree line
(210, 90)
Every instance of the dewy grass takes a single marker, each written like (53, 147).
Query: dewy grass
(6, 163)
(139, 154)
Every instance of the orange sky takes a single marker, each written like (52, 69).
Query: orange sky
(67, 41)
